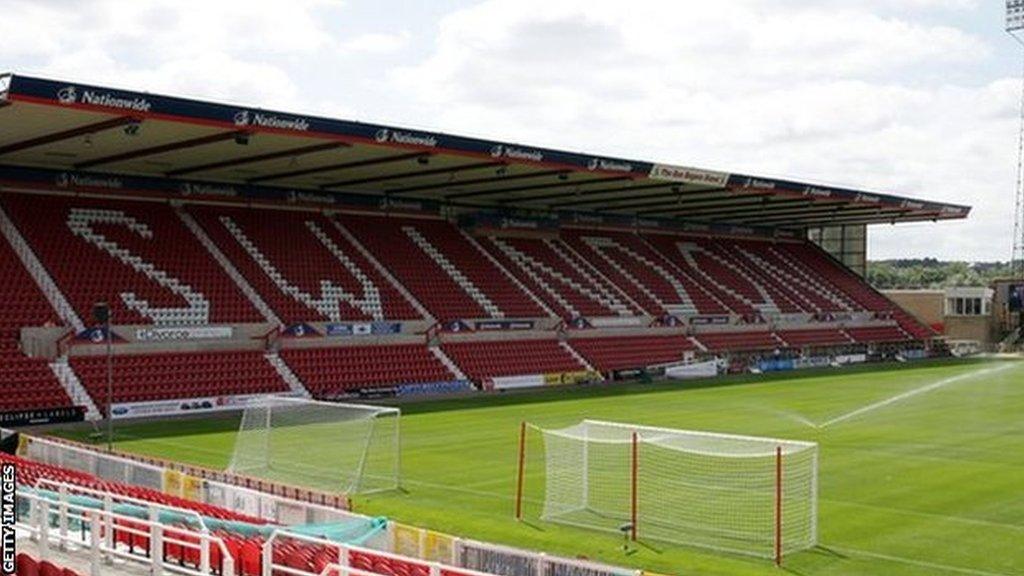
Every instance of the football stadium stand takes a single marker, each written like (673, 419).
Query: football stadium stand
(246, 252)
(367, 270)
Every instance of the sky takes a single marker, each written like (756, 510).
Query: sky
(911, 97)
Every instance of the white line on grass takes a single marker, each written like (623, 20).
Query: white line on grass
(910, 393)
(904, 511)
(913, 562)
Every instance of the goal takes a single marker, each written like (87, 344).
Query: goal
(345, 448)
(739, 494)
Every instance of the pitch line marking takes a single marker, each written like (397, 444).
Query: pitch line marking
(907, 512)
(913, 562)
(911, 393)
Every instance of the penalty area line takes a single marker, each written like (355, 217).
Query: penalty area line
(911, 393)
(914, 562)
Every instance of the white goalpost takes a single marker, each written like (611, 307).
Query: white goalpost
(739, 494)
(345, 448)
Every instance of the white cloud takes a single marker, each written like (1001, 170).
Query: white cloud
(376, 43)
(883, 94)
(839, 94)
(235, 49)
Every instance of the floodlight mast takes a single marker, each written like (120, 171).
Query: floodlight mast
(1015, 28)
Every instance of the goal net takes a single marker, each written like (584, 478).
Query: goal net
(739, 494)
(346, 448)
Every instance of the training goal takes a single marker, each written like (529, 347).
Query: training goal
(739, 494)
(346, 448)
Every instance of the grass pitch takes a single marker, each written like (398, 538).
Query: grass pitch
(922, 467)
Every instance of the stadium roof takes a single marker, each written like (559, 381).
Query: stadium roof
(99, 132)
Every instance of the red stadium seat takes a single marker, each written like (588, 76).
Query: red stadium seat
(391, 240)
(26, 565)
(483, 360)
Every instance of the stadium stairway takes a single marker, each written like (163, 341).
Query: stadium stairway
(440, 268)
(729, 276)
(286, 374)
(771, 290)
(511, 277)
(560, 278)
(228, 267)
(679, 250)
(467, 285)
(25, 383)
(383, 271)
(316, 274)
(579, 357)
(179, 375)
(444, 359)
(782, 257)
(73, 387)
(141, 259)
(805, 288)
(648, 280)
(38, 273)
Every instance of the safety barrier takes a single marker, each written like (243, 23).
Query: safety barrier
(48, 521)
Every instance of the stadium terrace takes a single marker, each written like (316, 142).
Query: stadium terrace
(255, 288)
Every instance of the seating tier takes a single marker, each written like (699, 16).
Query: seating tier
(330, 372)
(483, 360)
(302, 266)
(178, 375)
(25, 383)
(441, 268)
(624, 353)
(137, 256)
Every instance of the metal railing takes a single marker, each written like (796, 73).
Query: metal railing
(51, 522)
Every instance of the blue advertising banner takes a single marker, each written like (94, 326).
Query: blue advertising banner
(778, 365)
(301, 330)
(96, 335)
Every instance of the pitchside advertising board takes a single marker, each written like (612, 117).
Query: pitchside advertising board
(40, 416)
(185, 406)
